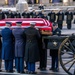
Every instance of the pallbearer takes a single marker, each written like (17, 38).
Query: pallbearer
(69, 18)
(43, 47)
(60, 18)
(19, 48)
(7, 47)
(31, 49)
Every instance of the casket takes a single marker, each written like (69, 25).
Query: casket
(40, 23)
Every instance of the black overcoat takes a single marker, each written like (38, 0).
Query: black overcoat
(31, 49)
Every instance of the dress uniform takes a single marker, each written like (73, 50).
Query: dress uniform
(17, 15)
(43, 47)
(52, 16)
(69, 18)
(7, 47)
(2, 15)
(33, 14)
(60, 19)
(0, 53)
(26, 14)
(31, 49)
(54, 52)
(19, 48)
(10, 14)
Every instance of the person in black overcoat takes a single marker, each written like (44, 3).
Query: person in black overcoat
(2, 15)
(31, 48)
(54, 52)
(69, 18)
(60, 19)
(52, 16)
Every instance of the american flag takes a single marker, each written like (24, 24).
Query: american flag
(40, 23)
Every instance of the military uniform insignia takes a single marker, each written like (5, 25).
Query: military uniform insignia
(55, 43)
(57, 32)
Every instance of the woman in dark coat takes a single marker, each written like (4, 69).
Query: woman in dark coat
(31, 49)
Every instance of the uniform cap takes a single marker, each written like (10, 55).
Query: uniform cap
(19, 22)
(9, 23)
(33, 23)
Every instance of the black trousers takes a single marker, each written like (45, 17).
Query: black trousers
(43, 58)
(68, 25)
(60, 26)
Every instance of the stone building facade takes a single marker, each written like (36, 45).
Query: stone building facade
(13, 2)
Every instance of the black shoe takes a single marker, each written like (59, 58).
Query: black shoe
(18, 71)
(27, 72)
(7, 71)
(33, 72)
(22, 72)
(25, 67)
(43, 69)
(51, 69)
(56, 70)
(0, 70)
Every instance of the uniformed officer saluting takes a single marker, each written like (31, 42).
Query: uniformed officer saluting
(19, 48)
(31, 49)
(7, 47)
(54, 52)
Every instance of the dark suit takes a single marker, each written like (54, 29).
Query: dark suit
(7, 48)
(31, 49)
(54, 52)
(69, 19)
(60, 19)
(19, 49)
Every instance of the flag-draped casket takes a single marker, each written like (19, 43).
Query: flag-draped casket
(40, 23)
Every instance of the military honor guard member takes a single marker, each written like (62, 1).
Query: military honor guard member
(7, 47)
(43, 47)
(60, 18)
(26, 14)
(54, 52)
(2, 15)
(33, 14)
(9, 14)
(52, 16)
(17, 14)
(69, 18)
(19, 48)
(0, 53)
(31, 48)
